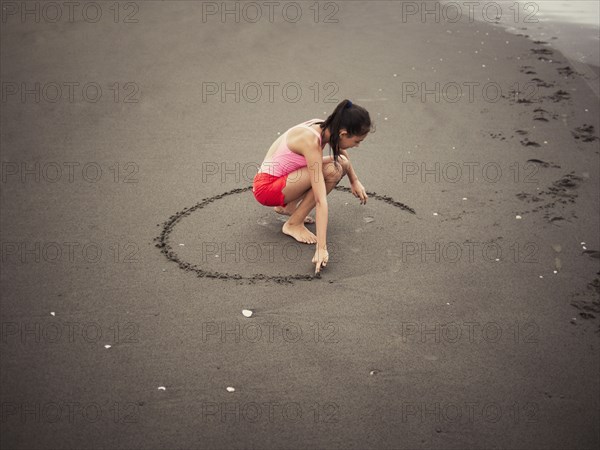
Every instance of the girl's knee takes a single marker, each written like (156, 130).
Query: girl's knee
(334, 172)
(343, 162)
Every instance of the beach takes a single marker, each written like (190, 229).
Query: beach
(150, 302)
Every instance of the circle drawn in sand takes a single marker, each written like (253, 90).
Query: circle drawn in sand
(162, 241)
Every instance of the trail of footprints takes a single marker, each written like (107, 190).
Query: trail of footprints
(554, 200)
(583, 133)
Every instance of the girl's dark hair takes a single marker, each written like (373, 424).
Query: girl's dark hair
(355, 119)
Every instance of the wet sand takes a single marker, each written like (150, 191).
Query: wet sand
(461, 305)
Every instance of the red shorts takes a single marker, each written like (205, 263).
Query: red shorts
(268, 189)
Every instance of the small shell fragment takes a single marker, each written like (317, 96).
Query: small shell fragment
(52, 313)
(518, 217)
(162, 388)
(107, 346)
(246, 313)
(230, 389)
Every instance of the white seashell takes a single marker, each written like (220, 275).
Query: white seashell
(246, 313)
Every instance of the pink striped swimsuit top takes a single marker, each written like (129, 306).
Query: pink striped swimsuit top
(283, 160)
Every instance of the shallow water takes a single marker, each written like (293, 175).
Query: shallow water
(574, 24)
(572, 27)
(579, 12)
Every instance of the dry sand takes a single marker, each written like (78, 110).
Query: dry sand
(415, 336)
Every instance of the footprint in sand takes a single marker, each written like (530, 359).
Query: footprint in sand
(541, 51)
(541, 83)
(528, 70)
(543, 163)
(559, 96)
(527, 143)
(542, 115)
(560, 192)
(497, 136)
(567, 71)
(588, 301)
(585, 133)
(592, 253)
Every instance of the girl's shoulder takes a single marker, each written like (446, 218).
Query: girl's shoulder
(301, 137)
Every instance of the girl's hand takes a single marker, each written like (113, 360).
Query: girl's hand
(359, 191)
(320, 259)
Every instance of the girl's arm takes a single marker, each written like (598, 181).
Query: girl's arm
(358, 189)
(314, 162)
(311, 150)
(352, 177)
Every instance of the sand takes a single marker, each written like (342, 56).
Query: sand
(460, 307)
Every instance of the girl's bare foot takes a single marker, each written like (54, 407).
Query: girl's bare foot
(289, 210)
(300, 233)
